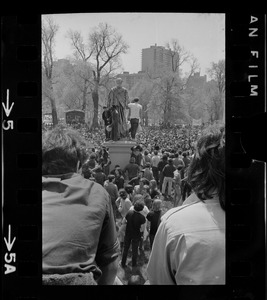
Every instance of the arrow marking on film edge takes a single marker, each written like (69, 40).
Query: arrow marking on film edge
(9, 244)
(6, 107)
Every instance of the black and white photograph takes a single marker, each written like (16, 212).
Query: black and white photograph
(133, 149)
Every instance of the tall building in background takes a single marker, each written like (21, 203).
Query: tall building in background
(197, 81)
(156, 59)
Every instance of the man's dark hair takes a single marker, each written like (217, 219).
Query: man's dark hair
(170, 161)
(164, 157)
(129, 188)
(139, 205)
(136, 99)
(123, 193)
(62, 148)
(111, 177)
(206, 172)
(184, 154)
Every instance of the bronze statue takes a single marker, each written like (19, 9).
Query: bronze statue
(118, 100)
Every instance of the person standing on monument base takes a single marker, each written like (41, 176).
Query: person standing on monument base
(107, 118)
(118, 100)
(135, 116)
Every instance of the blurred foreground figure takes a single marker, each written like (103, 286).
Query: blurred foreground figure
(79, 234)
(189, 246)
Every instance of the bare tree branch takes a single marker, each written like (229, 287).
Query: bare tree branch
(78, 45)
(103, 48)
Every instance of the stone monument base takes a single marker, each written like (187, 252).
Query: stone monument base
(119, 152)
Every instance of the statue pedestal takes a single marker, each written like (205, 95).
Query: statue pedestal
(119, 152)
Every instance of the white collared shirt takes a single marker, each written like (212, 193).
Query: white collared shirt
(189, 247)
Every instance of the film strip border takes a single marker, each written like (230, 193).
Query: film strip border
(21, 155)
(21, 160)
(245, 176)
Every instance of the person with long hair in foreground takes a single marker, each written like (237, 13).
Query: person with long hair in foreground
(189, 246)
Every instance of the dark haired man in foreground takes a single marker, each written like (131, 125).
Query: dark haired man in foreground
(79, 235)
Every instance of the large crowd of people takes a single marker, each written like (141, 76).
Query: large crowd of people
(122, 207)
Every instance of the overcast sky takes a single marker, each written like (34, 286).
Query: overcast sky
(201, 34)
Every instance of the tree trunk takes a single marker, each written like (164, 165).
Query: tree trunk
(53, 104)
(95, 97)
(84, 100)
(221, 107)
(53, 111)
(145, 114)
(146, 119)
(165, 115)
(167, 111)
